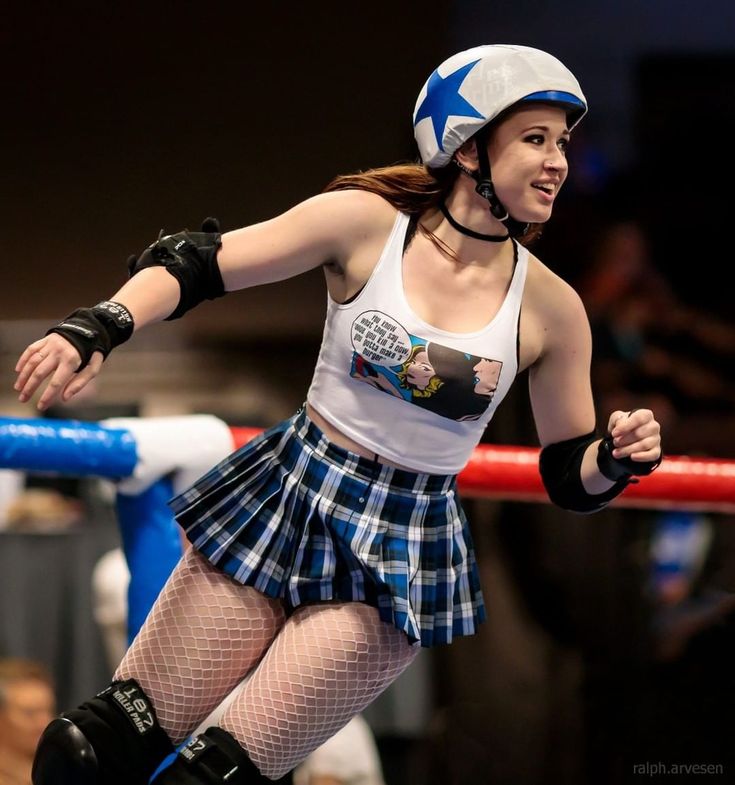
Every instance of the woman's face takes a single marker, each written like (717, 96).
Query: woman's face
(528, 161)
(420, 371)
(27, 710)
(487, 373)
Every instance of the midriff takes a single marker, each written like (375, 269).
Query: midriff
(341, 440)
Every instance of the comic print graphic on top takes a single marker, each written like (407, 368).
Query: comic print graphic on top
(448, 382)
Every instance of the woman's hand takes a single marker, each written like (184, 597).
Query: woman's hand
(636, 435)
(55, 359)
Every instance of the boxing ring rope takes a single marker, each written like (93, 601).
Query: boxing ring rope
(120, 449)
(511, 473)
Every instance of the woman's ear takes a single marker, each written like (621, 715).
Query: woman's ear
(466, 155)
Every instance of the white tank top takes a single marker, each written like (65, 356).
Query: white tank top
(410, 392)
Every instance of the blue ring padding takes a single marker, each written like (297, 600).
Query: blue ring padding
(152, 545)
(67, 446)
(558, 96)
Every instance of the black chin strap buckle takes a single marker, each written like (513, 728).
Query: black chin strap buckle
(486, 190)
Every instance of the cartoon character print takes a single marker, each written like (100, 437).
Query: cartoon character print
(448, 382)
(414, 378)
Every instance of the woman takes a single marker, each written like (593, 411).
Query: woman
(330, 548)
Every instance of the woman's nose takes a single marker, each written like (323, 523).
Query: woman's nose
(555, 161)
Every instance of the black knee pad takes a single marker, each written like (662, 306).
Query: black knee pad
(113, 739)
(64, 756)
(212, 758)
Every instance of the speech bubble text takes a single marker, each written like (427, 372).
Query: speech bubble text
(380, 339)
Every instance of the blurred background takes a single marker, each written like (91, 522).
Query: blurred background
(610, 639)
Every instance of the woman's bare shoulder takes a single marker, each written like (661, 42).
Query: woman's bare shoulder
(355, 210)
(548, 294)
(358, 221)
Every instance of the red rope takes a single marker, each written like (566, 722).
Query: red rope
(504, 472)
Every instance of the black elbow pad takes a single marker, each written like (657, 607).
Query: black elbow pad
(191, 257)
(560, 466)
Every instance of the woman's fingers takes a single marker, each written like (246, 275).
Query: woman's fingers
(38, 367)
(54, 359)
(32, 349)
(636, 435)
(80, 380)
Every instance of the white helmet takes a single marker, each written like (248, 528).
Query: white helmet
(473, 87)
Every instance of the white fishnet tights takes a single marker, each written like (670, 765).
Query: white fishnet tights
(328, 662)
(206, 632)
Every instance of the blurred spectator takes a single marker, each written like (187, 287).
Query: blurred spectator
(685, 603)
(653, 349)
(42, 511)
(683, 710)
(27, 705)
(11, 484)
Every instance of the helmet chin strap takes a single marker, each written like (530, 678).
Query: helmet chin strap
(486, 189)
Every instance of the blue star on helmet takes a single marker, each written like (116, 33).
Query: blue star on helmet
(443, 99)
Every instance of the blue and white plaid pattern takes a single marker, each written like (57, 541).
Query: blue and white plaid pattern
(299, 518)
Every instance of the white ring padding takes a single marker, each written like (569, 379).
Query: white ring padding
(185, 447)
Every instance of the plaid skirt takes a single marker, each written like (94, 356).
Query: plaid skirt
(301, 519)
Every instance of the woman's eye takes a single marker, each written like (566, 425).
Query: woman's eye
(564, 144)
(535, 139)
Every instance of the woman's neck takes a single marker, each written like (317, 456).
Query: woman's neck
(471, 211)
(467, 232)
(471, 216)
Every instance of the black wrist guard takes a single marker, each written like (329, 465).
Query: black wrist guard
(616, 469)
(560, 466)
(97, 329)
(191, 257)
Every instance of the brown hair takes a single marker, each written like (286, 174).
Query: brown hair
(14, 669)
(411, 188)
